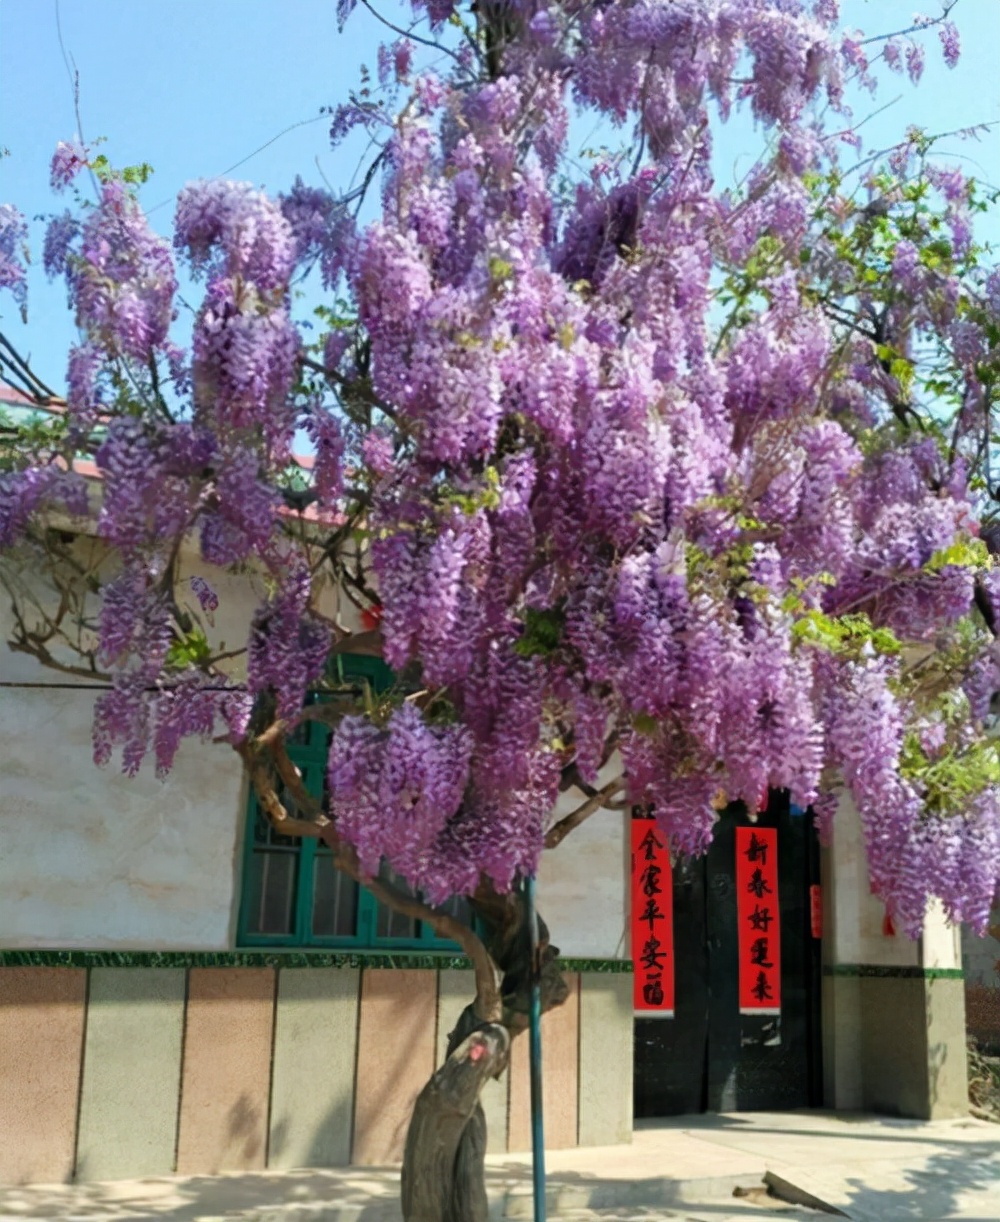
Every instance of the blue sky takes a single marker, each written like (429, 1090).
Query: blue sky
(196, 86)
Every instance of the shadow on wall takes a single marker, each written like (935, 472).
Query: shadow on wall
(244, 1129)
(947, 1079)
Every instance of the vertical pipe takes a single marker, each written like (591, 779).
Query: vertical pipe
(535, 1057)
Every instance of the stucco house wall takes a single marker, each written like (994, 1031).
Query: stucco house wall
(168, 1047)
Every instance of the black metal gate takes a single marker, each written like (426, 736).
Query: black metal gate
(709, 1056)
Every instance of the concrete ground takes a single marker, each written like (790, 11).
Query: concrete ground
(865, 1168)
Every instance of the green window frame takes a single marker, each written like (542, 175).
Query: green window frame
(291, 894)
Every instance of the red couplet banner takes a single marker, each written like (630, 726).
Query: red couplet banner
(758, 920)
(652, 919)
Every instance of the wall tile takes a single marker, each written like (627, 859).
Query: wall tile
(560, 1057)
(41, 1046)
(227, 1070)
(606, 1059)
(131, 1073)
(312, 1089)
(395, 1059)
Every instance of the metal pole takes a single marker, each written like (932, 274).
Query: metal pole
(535, 1057)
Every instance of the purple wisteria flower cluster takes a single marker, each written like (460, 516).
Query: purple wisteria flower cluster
(623, 470)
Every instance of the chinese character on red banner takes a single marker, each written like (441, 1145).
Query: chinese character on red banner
(652, 919)
(758, 920)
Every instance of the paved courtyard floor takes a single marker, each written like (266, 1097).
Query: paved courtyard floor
(695, 1168)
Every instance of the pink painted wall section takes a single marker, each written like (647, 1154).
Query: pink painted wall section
(226, 1070)
(560, 1082)
(395, 1059)
(41, 1049)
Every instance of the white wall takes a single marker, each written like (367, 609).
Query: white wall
(582, 884)
(92, 859)
(852, 915)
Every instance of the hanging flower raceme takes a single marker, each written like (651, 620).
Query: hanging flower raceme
(24, 493)
(322, 229)
(229, 230)
(394, 790)
(288, 645)
(121, 278)
(245, 360)
(151, 482)
(13, 234)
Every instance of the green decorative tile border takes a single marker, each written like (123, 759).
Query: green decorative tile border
(887, 972)
(610, 966)
(269, 958)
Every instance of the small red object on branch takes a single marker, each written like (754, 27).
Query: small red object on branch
(371, 617)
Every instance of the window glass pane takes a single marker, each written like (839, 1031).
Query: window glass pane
(389, 923)
(301, 735)
(271, 886)
(335, 900)
(458, 906)
(271, 891)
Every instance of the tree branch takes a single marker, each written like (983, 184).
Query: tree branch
(13, 362)
(489, 1007)
(559, 831)
(427, 42)
(488, 1004)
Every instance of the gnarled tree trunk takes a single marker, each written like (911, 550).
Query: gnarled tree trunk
(444, 1173)
(443, 1170)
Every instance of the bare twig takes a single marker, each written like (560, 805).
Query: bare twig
(426, 42)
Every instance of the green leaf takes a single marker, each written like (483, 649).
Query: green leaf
(543, 632)
(643, 723)
(192, 649)
(963, 553)
(500, 269)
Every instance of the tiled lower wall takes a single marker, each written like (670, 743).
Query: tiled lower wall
(120, 1072)
(982, 1013)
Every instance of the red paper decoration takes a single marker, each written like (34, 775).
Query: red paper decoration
(652, 919)
(758, 920)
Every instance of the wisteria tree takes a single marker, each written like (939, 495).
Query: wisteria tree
(645, 490)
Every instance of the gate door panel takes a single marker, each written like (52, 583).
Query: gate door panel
(710, 1056)
(670, 1052)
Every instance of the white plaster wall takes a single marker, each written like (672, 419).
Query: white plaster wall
(239, 597)
(853, 915)
(582, 884)
(91, 858)
(941, 944)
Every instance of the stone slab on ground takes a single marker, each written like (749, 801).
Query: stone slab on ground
(872, 1169)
